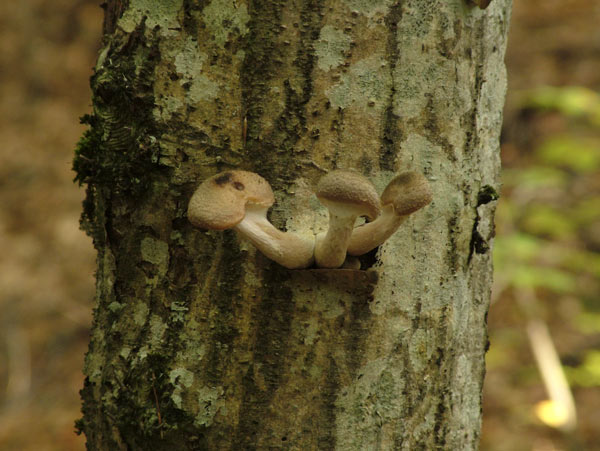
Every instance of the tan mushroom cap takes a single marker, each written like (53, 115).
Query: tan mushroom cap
(353, 191)
(407, 192)
(219, 202)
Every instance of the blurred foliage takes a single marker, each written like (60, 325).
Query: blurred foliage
(573, 101)
(548, 220)
(570, 152)
(588, 373)
(589, 322)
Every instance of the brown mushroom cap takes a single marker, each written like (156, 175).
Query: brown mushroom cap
(351, 191)
(219, 202)
(407, 192)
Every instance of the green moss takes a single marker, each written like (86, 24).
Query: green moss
(88, 145)
(79, 426)
(118, 154)
(486, 195)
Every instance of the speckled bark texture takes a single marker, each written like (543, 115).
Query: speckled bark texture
(201, 343)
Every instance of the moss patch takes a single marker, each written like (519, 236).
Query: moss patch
(120, 150)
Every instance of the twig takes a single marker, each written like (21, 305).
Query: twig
(547, 360)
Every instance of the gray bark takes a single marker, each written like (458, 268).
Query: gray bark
(199, 342)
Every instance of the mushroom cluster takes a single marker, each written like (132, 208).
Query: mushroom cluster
(239, 200)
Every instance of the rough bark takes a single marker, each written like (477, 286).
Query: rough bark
(199, 342)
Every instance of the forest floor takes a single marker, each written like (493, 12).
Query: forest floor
(47, 50)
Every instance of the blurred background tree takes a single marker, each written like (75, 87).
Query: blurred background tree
(546, 252)
(548, 223)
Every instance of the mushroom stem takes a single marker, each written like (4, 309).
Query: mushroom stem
(405, 194)
(347, 195)
(330, 247)
(286, 248)
(372, 234)
(240, 200)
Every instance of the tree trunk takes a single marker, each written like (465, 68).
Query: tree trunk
(199, 341)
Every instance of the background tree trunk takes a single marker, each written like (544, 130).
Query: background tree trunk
(199, 342)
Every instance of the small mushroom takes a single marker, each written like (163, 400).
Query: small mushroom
(405, 194)
(239, 200)
(347, 195)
